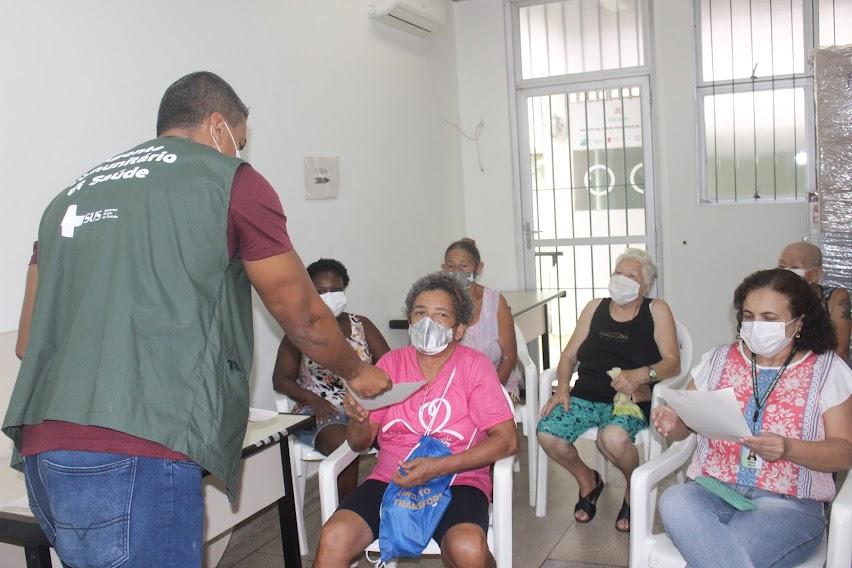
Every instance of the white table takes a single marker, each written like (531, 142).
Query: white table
(265, 478)
(529, 308)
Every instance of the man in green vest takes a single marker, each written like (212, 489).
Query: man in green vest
(135, 375)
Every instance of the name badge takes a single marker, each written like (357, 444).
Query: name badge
(749, 459)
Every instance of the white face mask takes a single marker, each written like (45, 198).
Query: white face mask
(429, 337)
(463, 278)
(622, 289)
(800, 272)
(228, 128)
(766, 338)
(336, 302)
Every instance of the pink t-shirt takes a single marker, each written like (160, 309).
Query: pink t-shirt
(468, 406)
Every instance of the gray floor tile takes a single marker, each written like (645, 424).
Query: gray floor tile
(260, 560)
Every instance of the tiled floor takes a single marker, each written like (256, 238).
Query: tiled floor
(554, 541)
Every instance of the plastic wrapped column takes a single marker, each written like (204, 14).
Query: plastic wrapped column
(833, 85)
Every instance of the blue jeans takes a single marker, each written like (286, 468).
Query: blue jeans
(104, 510)
(783, 531)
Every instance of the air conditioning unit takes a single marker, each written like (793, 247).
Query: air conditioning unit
(419, 17)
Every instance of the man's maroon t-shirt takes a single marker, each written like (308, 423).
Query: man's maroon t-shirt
(257, 229)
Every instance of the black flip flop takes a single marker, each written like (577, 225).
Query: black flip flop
(588, 504)
(623, 514)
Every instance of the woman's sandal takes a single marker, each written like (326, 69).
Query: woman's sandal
(623, 514)
(588, 504)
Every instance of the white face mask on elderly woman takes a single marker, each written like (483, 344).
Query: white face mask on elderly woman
(800, 272)
(622, 289)
(429, 337)
(766, 338)
(336, 302)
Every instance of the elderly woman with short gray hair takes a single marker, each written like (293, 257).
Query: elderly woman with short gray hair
(462, 404)
(626, 331)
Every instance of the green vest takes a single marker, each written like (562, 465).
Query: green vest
(142, 323)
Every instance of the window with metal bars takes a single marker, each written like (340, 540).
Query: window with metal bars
(755, 94)
(579, 36)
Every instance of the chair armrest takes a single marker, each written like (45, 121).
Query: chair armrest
(840, 527)
(329, 470)
(503, 471)
(502, 511)
(675, 383)
(643, 484)
(545, 386)
(531, 383)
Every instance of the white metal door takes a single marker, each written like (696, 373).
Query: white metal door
(586, 185)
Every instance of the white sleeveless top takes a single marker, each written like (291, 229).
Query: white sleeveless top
(483, 336)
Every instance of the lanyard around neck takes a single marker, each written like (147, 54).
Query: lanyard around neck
(759, 401)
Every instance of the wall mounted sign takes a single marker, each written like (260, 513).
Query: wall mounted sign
(322, 177)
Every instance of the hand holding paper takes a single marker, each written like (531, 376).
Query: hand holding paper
(397, 393)
(713, 414)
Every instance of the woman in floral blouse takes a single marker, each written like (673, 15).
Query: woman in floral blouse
(315, 389)
(794, 393)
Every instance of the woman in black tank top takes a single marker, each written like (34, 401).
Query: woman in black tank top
(626, 331)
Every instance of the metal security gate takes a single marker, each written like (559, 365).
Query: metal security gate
(587, 190)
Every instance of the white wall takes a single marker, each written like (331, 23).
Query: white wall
(707, 250)
(82, 81)
(722, 243)
(490, 198)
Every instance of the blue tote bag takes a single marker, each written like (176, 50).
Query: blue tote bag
(409, 516)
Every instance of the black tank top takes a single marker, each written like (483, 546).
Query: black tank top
(610, 343)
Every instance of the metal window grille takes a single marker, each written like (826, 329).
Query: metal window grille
(580, 36)
(755, 93)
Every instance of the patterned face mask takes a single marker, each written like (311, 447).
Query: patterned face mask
(465, 279)
(429, 337)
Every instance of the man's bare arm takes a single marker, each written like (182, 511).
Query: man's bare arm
(27, 311)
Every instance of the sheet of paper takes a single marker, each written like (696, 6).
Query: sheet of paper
(397, 394)
(261, 414)
(713, 414)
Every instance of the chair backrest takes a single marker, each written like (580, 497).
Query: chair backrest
(283, 403)
(525, 361)
(684, 343)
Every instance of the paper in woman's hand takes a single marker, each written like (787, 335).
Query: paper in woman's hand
(395, 395)
(713, 414)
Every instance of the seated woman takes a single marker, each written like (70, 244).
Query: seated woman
(469, 412)
(492, 328)
(628, 331)
(315, 389)
(795, 396)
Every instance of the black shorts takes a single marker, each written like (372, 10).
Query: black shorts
(468, 505)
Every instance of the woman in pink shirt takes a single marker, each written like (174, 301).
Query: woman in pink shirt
(462, 404)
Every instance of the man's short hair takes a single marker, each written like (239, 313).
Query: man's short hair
(192, 98)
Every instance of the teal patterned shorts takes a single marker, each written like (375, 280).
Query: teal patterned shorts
(584, 414)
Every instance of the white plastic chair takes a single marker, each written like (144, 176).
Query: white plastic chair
(658, 551)
(500, 523)
(527, 413)
(304, 463)
(648, 438)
